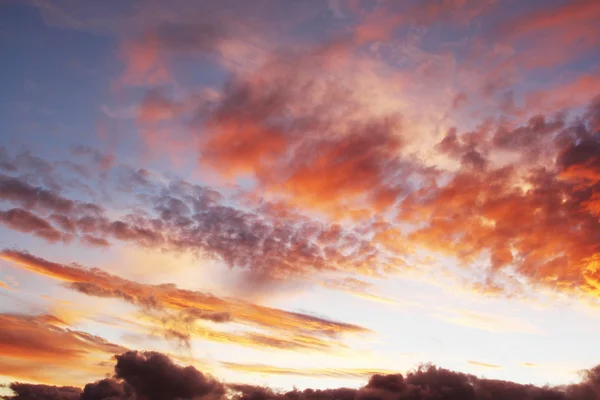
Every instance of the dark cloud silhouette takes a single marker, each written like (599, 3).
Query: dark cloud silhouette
(107, 389)
(153, 376)
(25, 391)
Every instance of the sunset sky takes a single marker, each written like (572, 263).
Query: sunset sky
(300, 193)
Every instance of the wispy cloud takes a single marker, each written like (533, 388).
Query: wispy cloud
(488, 321)
(265, 369)
(42, 348)
(179, 310)
(484, 365)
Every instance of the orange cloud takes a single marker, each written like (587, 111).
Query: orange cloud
(307, 137)
(358, 288)
(183, 332)
(528, 364)
(144, 64)
(488, 322)
(158, 122)
(38, 348)
(265, 369)
(535, 217)
(300, 330)
(482, 364)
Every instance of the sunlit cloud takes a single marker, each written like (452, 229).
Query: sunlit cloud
(176, 311)
(41, 348)
(482, 364)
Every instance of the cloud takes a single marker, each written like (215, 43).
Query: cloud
(24, 221)
(488, 321)
(106, 389)
(38, 338)
(381, 23)
(534, 217)
(152, 375)
(30, 197)
(322, 147)
(40, 348)
(177, 310)
(25, 391)
(530, 215)
(143, 63)
(183, 217)
(484, 365)
(316, 372)
(199, 31)
(104, 161)
(358, 288)
(566, 94)
(155, 377)
(569, 27)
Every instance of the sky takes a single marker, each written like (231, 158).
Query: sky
(297, 195)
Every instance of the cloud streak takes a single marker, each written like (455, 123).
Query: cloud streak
(26, 342)
(179, 310)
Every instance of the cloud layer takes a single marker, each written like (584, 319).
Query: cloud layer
(153, 376)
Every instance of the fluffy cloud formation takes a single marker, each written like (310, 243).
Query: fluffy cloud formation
(185, 217)
(534, 216)
(153, 376)
(314, 134)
